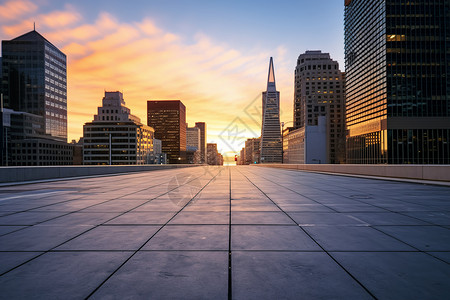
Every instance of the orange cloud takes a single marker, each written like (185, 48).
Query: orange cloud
(12, 10)
(218, 83)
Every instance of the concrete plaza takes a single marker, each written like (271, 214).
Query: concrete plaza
(224, 233)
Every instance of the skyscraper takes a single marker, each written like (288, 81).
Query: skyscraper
(168, 118)
(319, 91)
(397, 81)
(203, 140)
(271, 147)
(35, 81)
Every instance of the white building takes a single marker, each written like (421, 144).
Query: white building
(115, 136)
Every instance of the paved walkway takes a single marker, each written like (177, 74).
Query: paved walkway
(167, 235)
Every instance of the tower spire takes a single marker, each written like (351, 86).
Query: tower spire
(271, 78)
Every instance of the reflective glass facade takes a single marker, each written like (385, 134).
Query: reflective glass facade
(397, 59)
(34, 80)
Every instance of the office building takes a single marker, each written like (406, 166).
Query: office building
(271, 147)
(397, 81)
(193, 137)
(319, 91)
(25, 143)
(203, 140)
(168, 118)
(115, 136)
(34, 90)
(35, 81)
(193, 142)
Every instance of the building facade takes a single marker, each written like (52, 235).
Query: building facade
(271, 147)
(214, 157)
(115, 136)
(252, 151)
(307, 144)
(319, 91)
(168, 118)
(397, 84)
(203, 140)
(193, 137)
(35, 81)
(34, 103)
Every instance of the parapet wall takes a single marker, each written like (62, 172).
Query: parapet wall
(20, 174)
(419, 172)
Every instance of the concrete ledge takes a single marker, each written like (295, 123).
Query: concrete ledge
(419, 172)
(21, 174)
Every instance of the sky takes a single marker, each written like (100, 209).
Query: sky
(212, 55)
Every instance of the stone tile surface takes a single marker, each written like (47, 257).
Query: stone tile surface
(224, 232)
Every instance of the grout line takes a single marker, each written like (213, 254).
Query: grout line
(135, 252)
(95, 225)
(323, 249)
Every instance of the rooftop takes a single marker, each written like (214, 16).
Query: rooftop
(225, 232)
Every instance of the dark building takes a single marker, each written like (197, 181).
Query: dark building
(168, 119)
(27, 145)
(35, 81)
(397, 81)
(203, 140)
(34, 88)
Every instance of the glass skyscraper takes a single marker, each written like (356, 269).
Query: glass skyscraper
(397, 63)
(34, 81)
(271, 147)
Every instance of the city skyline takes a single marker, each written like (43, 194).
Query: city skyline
(156, 51)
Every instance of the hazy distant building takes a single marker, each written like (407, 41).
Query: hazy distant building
(157, 156)
(252, 151)
(319, 91)
(203, 140)
(397, 66)
(115, 136)
(213, 156)
(271, 147)
(35, 81)
(168, 118)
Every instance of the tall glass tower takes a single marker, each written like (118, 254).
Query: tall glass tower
(397, 67)
(271, 147)
(35, 81)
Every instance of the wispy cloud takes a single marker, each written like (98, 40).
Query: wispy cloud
(14, 9)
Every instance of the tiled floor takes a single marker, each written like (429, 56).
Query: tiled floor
(225, 233)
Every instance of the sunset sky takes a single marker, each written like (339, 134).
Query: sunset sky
(211, 55)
